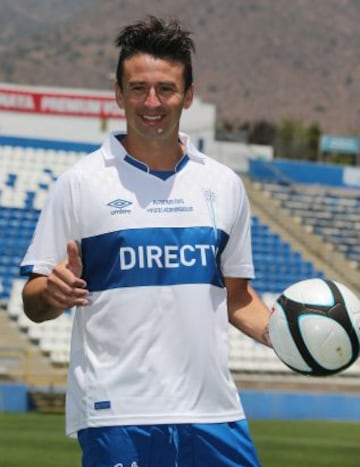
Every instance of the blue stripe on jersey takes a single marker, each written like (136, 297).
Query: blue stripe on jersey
(153, 257)
(163, 174)
(26, 270)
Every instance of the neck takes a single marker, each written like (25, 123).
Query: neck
(157, 155)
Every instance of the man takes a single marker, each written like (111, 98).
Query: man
(150, 240)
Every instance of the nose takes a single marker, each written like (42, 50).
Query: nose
(152, 99)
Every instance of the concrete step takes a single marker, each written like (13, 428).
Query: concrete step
(21, 360)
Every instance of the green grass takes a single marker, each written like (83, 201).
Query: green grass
(37, 440)
(307, 443)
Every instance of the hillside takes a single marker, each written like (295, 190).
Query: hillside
(258, 59)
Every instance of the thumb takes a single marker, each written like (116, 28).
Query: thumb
(74, 258)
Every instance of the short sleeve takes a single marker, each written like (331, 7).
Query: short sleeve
(237, 256)
(57, 224)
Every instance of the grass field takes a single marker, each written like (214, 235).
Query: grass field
(36, 440)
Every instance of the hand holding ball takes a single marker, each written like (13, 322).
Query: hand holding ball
(315, 327)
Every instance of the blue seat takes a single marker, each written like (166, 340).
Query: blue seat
(277, 265)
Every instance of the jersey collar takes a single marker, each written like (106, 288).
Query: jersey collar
(113, 149)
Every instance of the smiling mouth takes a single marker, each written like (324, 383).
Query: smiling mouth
(152, 118)
(152, 121)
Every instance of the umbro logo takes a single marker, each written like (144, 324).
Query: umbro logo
(119, 203)
(119, 206)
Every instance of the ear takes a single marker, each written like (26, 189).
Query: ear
(189, 96)
(119, 96)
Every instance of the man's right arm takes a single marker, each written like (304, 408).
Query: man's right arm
(46, 297)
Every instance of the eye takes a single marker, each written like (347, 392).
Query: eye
(138, 88)
(166, 89)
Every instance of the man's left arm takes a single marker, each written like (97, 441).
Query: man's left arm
(247, 312)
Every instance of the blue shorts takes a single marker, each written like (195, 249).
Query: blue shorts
(183, 445)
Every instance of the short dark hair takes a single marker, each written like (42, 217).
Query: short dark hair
(159, 38)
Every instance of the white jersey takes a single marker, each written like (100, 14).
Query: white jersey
(152, 345)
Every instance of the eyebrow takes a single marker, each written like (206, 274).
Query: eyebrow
(168, 83)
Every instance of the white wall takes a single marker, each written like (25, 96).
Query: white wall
(237, 155)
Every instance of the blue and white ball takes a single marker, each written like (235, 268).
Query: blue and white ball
(315, 327)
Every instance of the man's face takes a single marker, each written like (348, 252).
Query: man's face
(153, 96)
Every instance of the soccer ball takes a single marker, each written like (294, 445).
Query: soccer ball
(315, 327)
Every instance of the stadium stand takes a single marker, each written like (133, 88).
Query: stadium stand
(28, 172)
(26, 176)
(330, 213)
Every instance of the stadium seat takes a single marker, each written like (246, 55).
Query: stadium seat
(332, 214)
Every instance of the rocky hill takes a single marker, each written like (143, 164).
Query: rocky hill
(256, 59)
